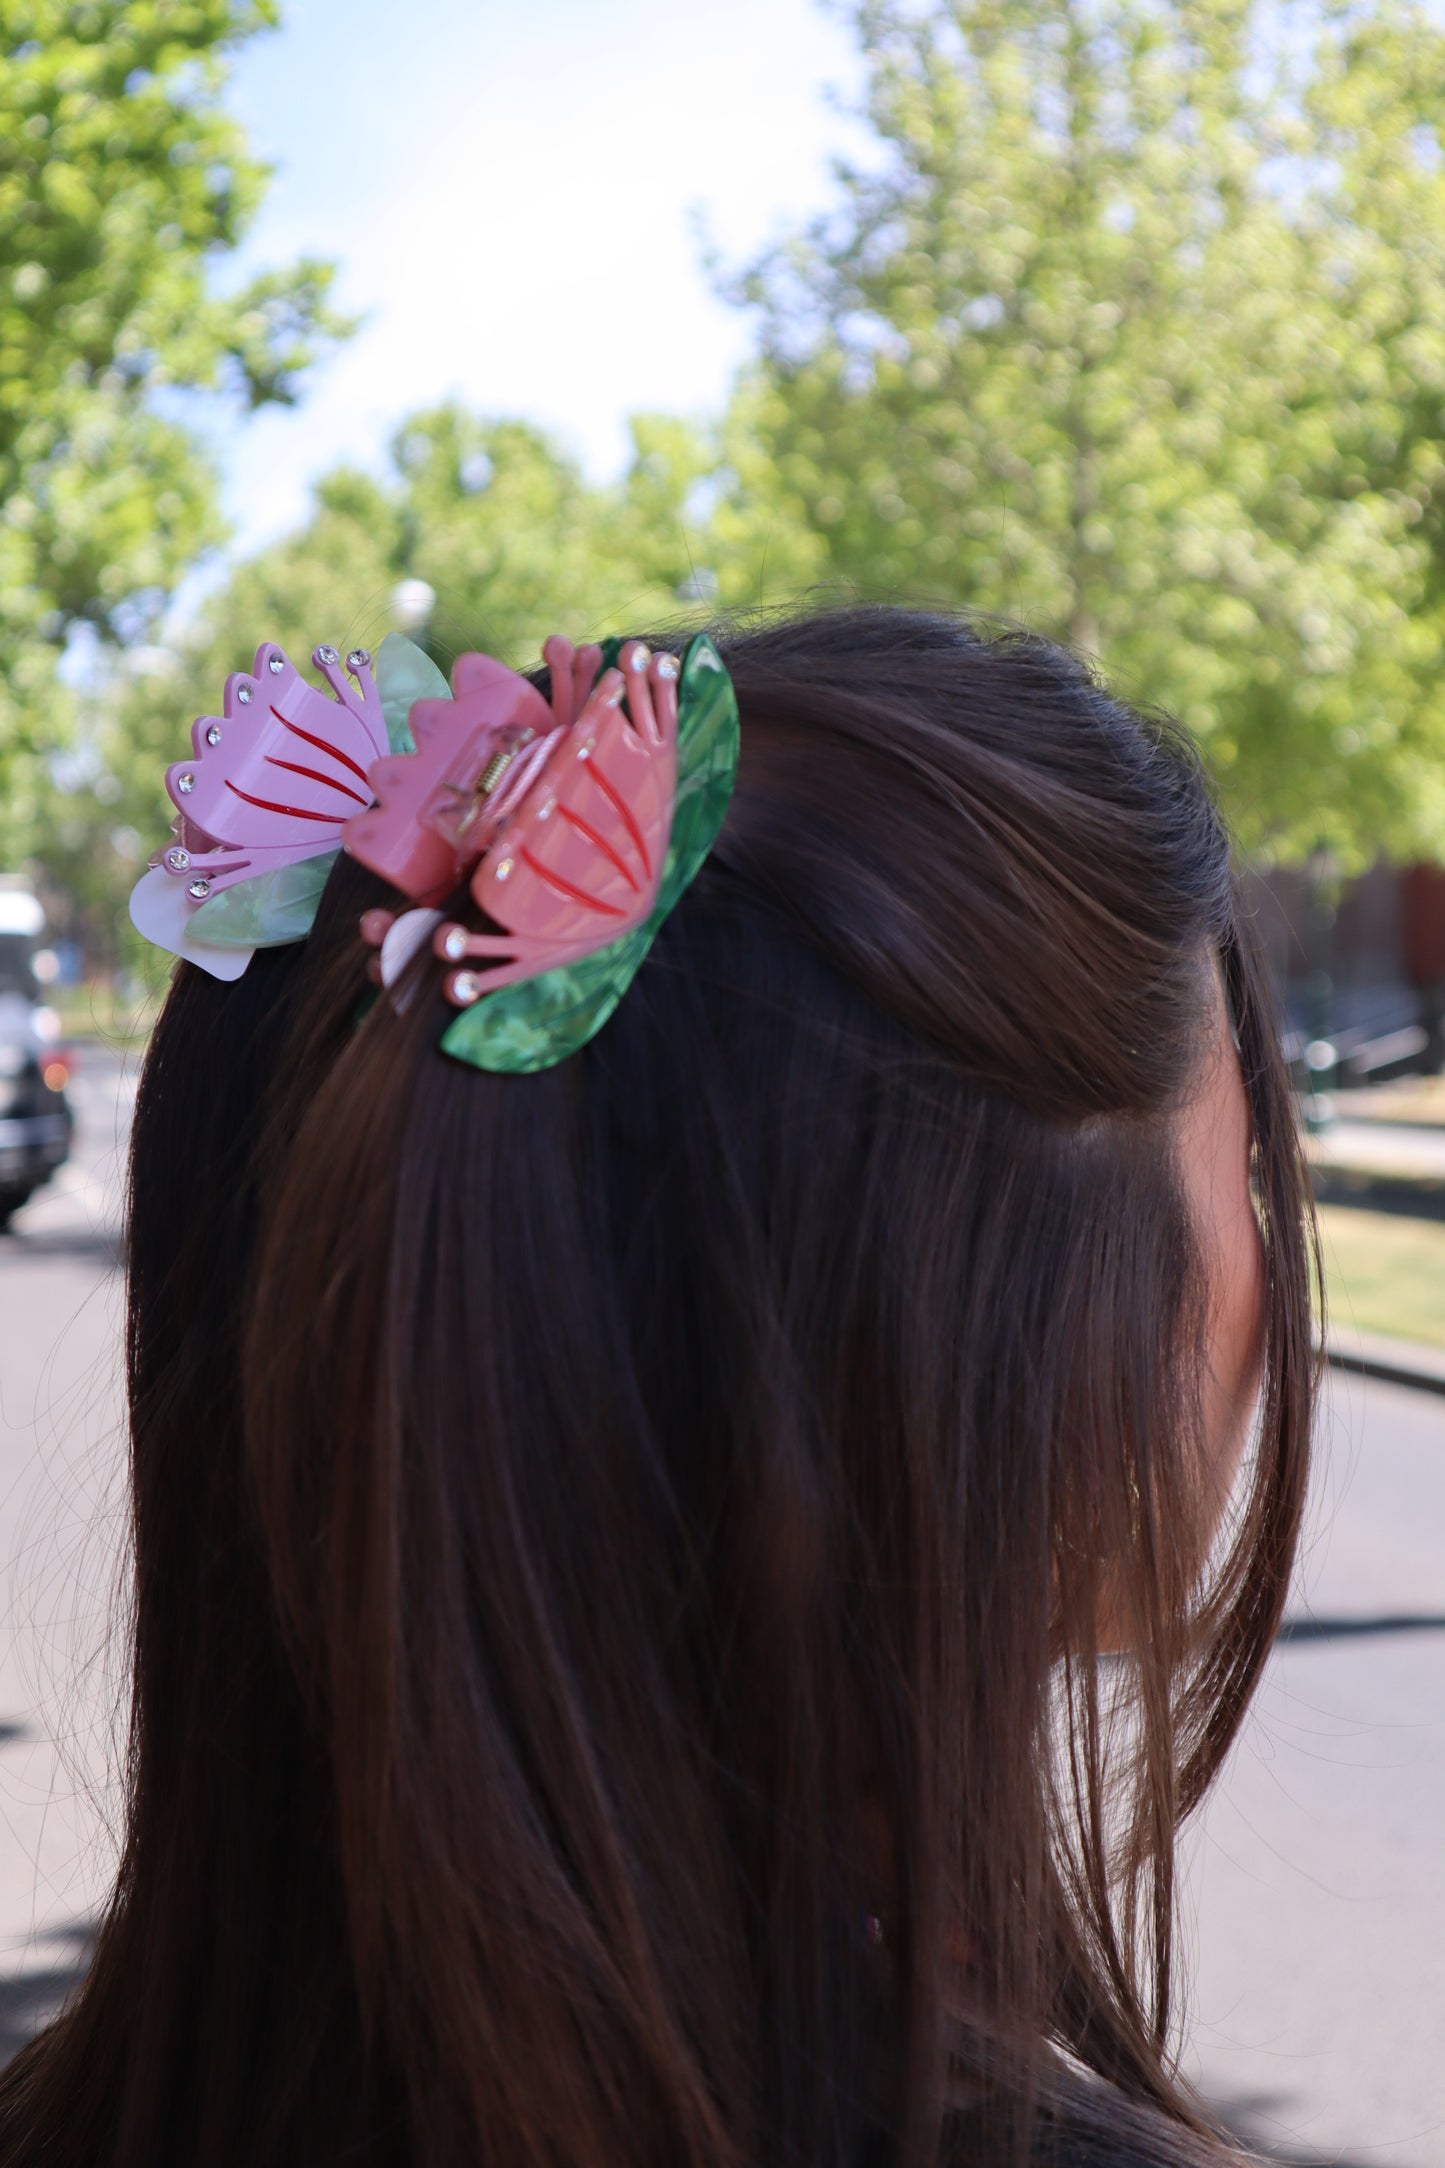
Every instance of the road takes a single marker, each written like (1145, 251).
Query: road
(1316, 1902)
(1315, 1891)
(62, 1525)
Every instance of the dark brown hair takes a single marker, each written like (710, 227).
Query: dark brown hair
(620, 1553)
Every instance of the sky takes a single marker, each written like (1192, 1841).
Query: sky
(511, 189)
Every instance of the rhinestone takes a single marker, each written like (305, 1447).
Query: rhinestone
(325, 655)
(186, 783)
(359, 659)
(243, 694)
(198, 889)
(545, 812)
(454, 944)
(584, 750)
(275, 665)
(504, 869)
(667, 668)
(178, 860)
(213, 735)
(464, 987)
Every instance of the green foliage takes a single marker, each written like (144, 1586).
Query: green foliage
(1135, 330)
(1133, 327)
(121, 178)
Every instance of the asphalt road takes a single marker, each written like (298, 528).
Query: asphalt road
(1315, 1902)
(62, 1528)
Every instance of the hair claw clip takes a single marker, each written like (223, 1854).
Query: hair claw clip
(578, 863)
(260, 806)
(563, 810)
(476, 756)
(275, 776)
(581, 823)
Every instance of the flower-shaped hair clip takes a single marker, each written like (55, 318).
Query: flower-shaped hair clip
(583, 822)
(476, 754)
(262, 801)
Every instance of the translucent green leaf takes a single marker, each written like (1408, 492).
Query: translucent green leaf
(267, 912)
(405, 675)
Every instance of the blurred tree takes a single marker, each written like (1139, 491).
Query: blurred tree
(1135, 330)
(121, 179)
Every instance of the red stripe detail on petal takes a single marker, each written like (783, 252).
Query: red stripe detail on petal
(314, 775)
(295, 812)
(321, 745)
(600, 843)
(624, 811)
(565, 888)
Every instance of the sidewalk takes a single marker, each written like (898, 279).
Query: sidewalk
(1398, 1151)
(1378, 1355)
(1372, 1158)
(1313, 1903)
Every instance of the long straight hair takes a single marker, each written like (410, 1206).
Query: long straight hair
(620, 1553)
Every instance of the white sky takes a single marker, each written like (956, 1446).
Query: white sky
(509, 187)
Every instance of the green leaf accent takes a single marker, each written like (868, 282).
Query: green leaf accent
(269, 911)
(539, 1022)
(405, 675)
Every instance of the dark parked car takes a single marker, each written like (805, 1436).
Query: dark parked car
(35, 1117)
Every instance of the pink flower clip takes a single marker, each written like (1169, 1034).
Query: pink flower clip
(274, 777)
(565, 814)
(476, 756)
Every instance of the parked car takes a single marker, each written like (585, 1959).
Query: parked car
(36, 1122)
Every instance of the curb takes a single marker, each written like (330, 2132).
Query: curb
(1412, 1196)
(1395, 1362)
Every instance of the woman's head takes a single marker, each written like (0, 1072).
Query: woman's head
(604, 1537)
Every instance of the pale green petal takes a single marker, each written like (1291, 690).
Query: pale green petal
(405, 675)
(267, 912)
